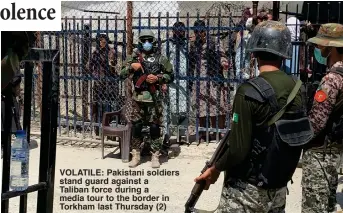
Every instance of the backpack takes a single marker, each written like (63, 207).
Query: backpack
(336, 122)
(277, 143)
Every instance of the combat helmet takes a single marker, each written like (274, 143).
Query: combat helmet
(102, 36)
(329, 35)
(146, 34)
(273, 37)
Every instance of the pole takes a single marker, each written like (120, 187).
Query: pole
(276, 9)
(254, 7)
(129, 28)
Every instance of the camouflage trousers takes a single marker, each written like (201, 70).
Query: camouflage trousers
(319, 182)
(241, 197)
(146, 114)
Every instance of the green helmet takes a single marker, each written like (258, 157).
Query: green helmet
(147, 34)
(273, 37)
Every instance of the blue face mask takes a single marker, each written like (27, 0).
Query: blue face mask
(318, 56)
(147, 46)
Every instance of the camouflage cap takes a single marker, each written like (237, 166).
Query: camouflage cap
(329, 35)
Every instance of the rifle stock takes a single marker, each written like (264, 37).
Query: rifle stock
(200, 185)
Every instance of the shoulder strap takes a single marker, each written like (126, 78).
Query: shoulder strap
(266, 90)
(290, 98)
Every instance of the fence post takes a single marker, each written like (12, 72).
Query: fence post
(86, 48)
(39, 79)
(254, 7)
(50, 104)
(129, 28)
(276, 10)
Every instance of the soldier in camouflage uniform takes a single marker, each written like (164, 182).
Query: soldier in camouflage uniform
(322, 159)
(246, 187)
(150, 72)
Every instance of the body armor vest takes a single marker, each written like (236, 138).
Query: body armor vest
(151, 65)
(277, 143)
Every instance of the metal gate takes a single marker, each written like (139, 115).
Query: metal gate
(50, 95)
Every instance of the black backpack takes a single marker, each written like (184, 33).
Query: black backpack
(336, 133)
(278, 143)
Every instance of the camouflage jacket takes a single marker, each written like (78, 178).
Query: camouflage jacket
(155, 64)
(331, 91)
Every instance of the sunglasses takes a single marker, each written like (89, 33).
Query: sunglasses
(150, 40)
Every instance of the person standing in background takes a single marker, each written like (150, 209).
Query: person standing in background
(178, 94)
(243, 62)
(293, 24)
(102, 66)
(208, 60)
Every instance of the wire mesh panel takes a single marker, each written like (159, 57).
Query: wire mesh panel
(204, 41)
(97, 37)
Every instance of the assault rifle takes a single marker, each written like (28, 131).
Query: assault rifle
(143, 75)
(200, 185)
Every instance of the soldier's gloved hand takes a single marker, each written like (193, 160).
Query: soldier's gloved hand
(151, 78)
(136, 66)
(210, 175)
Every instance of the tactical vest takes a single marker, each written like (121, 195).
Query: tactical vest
(331, 137)
(151, 65)
(277, 143)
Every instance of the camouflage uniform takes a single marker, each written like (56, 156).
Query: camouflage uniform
(147, 105)
(320, 163)
(242, 191)
(242, 197)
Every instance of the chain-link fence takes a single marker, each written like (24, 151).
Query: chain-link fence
(208, 62)
(95, 40)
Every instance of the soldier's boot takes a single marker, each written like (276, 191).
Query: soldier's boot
(136, 158)
(155, 159)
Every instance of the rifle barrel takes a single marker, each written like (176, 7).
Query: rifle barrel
(198, 188)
